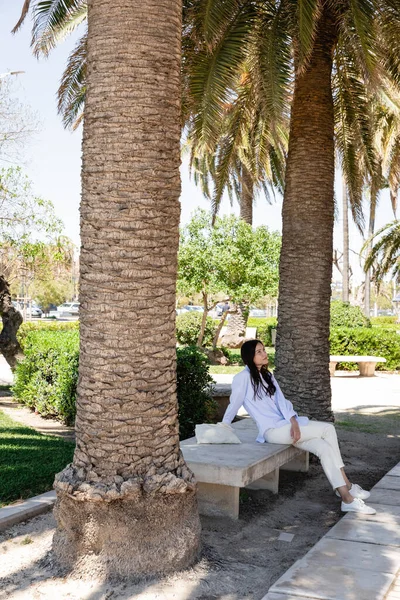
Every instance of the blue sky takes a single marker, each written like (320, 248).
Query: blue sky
(52, 159)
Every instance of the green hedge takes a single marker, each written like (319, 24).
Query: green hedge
(31, 326)
(264, 330)
(345, 315)
(46, 379)
(188, 326)
(367, 341)
(194, 384)
(384, 321)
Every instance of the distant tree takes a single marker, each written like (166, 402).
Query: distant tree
(26, 224)
(230, 257)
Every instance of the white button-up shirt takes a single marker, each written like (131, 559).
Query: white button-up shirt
(267, 411)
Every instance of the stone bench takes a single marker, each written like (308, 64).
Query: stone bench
(366, 364)
(222, 469)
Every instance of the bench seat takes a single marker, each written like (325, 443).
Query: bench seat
(366, 364)
(222, 469)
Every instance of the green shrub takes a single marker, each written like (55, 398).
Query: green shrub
(264, 330)
(345, 315)
(195, 403)
(378, 321)
(46, 378)
(188, 326)
(31, 326)
(367, 341)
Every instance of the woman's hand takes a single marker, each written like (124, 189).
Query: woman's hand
(295, 432)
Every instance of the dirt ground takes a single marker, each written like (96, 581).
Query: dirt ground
(240, 560)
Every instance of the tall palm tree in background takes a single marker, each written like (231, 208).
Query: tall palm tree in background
(128, 500)
(386, 116)
(322, 56)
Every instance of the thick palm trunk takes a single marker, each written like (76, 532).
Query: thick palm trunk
(308, 216)
(246, 197)
(345, 274)
(127, 503)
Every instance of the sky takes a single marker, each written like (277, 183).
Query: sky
(52, 159)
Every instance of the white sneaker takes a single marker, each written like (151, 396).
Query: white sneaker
(357, 492)
(358, 506)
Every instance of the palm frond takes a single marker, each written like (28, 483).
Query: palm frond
(385, 253)
(72, 90)
(308, 13)
(53, 20)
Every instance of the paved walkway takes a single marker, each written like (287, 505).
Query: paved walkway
(358, 559)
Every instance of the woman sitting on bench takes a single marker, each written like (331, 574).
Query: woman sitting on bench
(258, 391)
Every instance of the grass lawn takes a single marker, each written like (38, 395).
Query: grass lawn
(28, 460)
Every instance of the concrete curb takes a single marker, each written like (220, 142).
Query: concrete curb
(11, 515)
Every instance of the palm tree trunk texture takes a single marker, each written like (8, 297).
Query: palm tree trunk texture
(12, 319)
(246, 197)
(371, 229)
(127, 503)
(307, 239)
(345, 271)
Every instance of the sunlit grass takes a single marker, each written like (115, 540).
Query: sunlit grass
(28, 460)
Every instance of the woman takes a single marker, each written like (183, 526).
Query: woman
(258, 391)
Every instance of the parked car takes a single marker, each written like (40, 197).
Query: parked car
(68, 309)
(258, 313)
(32, 309)
(189, 308)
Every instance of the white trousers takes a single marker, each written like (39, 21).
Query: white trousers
(319, 438)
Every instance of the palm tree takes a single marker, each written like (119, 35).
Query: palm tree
(128, 500)
(332, 52)
(387, 172)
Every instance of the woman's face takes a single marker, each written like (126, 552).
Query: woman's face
(260, 357)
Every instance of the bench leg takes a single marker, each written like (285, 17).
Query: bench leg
(367, 369)
(300, 463)
(218, 500)
(332, 368)
(268, 482)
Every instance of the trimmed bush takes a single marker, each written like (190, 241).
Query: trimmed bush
(195, 403)
(47, 377)
(345, 315)
(367, 341)
(264, 330)
(384, 320)
(31, 326)
(188, 326)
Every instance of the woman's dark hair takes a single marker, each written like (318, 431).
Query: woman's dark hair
(260, 379)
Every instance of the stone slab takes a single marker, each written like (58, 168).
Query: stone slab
(332, 583)
(274, 596)
(384, 514)
(354, 555)
(354, 358)
(16, 513)
(395, 472)
(365, 531)
(383, 496)
(389, 482)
